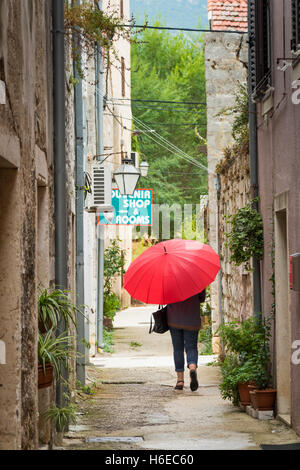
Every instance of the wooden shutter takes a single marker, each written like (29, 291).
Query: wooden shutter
(295, 25)
(252, 43)
(260, 45)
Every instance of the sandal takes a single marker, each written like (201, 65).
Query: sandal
(179, 387)
(194, 381)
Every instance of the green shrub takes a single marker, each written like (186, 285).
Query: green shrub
(248, 355)
(108, 341)
(247, 338)
(61, 417)
(111, 304)
(205, 338)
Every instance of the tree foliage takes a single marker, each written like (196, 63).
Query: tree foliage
(170, 67)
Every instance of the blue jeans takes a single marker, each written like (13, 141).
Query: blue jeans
(184, 340)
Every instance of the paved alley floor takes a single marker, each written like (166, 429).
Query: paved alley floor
(136, 407)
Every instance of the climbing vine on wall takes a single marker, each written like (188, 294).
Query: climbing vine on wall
(245, 239)
(86, 25)
(240, 129)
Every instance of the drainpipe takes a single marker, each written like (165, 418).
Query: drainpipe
(99, 151)
(218, 189)
(60, 206)
(257, 306)
(80, 320)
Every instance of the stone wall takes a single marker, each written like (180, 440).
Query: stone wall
(226, 56)
(26, 206)
(237, 288)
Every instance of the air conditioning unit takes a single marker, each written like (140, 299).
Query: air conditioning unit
(100, 198)
(135, 159)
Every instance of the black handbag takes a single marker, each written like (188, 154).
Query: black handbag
(160, 321)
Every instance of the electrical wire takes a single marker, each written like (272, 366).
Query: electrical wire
(164, 142)
(168, 28)
(162, 123)
(191, 159)
(136, 105)
(171, 124)
(175, 150)
(158, 101)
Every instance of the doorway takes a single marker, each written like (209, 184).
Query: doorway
(283, 322)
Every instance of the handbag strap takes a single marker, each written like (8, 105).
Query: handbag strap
(151, 327)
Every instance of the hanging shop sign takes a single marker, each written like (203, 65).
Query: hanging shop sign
(130, 210)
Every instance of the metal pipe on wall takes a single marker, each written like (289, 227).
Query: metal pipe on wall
(221, 319)
(60, 204)
(100, 151)
(257, 305)
(80, 320)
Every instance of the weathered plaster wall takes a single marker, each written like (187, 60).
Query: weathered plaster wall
(115, 140)
(279, 170)
(25, 126)
(226, 57)
(237, 282)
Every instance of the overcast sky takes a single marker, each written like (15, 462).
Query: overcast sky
(178, 13)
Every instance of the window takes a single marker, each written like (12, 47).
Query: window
(123, 75)
(260, 47)
(295, 43)
(121, 9)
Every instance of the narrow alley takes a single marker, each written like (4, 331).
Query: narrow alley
(136, 407)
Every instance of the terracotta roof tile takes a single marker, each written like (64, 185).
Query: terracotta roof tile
(228, 14)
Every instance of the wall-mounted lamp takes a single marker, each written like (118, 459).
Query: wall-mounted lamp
(127, 177)
(144, 168)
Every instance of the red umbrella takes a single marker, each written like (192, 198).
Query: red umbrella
(171, 271)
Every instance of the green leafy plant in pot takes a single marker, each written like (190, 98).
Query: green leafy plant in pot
(262, 396)
(54, 305)
(53, 354)
(61, 417)
(248, 344)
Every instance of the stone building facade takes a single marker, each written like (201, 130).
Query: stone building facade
(237, 282)
(27, 213)
(26, 209)
(226, 59)
(275, 90)
(114, 92)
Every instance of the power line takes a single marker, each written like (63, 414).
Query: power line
(137, 105)
(161, 123)
(158, 101)
(183, 154)
(164, 143)
(168, 28)
(173, 173)
(174, 124)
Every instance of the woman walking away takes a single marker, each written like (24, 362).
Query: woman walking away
(185, 322)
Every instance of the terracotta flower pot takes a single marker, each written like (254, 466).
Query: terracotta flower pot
(45, 377)
(263, 400)
(253, 399)
(244, 393)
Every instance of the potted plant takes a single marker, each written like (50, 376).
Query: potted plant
(245, 378)
(247, 361)
(262, 396)
(53, 306)
(229, 384)
(61, 417)
(53, 353)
